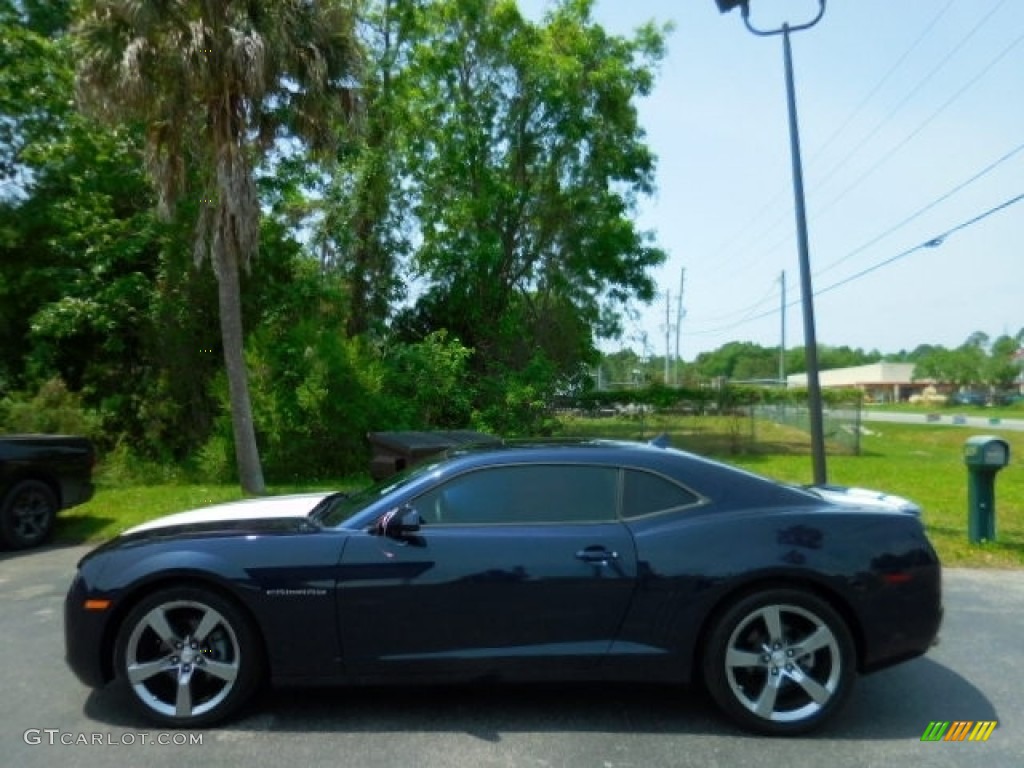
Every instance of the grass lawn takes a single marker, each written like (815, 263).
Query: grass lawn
(917, 461)
(922, 463)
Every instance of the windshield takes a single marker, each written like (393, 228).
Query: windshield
(338, 508)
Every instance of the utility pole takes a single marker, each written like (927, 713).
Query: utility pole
(672, 363)
(679, 324)
(782, 342)
(668, 334)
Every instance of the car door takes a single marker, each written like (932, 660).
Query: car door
(519, 570)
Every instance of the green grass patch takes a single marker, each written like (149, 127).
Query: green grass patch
(920, 462)
(923, 463)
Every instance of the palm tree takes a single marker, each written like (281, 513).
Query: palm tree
(215, 83)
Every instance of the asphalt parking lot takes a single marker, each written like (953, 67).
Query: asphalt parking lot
(974, 674)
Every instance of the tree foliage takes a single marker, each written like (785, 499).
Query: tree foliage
(214, 84)
(525, 159)
(79, 243)
(979, 362)
(364, 224)
(450, 264)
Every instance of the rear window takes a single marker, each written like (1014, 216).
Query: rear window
(645, 493)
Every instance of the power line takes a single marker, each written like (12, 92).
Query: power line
(906, 140)
(742, 321)
(885, 78)
(774, 224)
(921, 211)
(918, 86)
(744, 311)
(906, 99)
(932, 242)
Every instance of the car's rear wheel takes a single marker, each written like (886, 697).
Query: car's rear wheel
(28, 514)
(189, 657)
(779, 661)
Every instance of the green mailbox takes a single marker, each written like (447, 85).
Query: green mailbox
(984, 456)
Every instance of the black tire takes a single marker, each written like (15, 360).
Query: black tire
(28, 515)
(780, 662)
(188, 657)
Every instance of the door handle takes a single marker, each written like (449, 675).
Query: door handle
(597, 555)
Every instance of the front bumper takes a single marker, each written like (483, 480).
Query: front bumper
(84, 633)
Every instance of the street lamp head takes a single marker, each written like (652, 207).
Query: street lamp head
(727, 5)
(744, 5)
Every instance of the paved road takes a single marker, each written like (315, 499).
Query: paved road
(975, 674)
(944, 419)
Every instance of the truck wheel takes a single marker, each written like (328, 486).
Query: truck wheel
(28, 515)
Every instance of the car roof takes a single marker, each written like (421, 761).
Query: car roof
(561, 449)
(727, 484)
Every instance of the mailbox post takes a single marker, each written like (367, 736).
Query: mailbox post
(984, 456)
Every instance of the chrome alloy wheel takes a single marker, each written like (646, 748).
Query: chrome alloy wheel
(783, 663)
(182, 659)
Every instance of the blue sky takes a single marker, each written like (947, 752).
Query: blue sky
(911, 118)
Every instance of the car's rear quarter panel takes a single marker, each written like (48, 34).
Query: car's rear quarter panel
(877, 569)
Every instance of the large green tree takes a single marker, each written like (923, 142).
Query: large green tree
(525, 160)
(215, 83)
(363, 233)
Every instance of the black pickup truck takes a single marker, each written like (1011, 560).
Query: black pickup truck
(39, 476)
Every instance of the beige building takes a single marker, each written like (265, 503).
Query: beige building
(880, 382)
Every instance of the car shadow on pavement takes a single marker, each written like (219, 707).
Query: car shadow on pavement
(897, 703)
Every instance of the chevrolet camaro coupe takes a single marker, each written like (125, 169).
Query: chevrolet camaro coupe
(587, 560)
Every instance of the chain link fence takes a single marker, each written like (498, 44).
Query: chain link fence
(724, 420)
(842, 425)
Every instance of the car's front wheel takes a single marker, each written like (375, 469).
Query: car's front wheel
(780, 661)
(188, 656)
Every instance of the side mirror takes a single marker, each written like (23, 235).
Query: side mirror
(399, 523)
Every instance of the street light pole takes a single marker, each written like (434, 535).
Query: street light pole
(806, 290)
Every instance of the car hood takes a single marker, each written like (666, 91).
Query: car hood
(262, 514)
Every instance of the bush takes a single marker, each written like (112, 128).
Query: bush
(122, 466)
(54, 409)
(215, 462)
(517, 403)
(426, 384)
(315, 395)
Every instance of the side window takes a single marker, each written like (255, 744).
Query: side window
(644, 493)
(524, 494)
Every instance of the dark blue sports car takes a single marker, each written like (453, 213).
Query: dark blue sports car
(550, 561)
